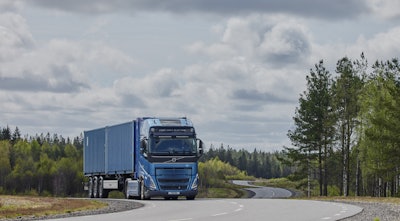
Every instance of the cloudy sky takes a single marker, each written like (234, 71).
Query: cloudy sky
(236, 68)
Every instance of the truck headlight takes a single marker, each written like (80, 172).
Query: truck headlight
(195, 182)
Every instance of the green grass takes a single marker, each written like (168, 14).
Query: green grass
(222, 193)
(277, 182)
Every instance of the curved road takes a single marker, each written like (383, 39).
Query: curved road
(234, 209)
(230, 209)
(264, 192)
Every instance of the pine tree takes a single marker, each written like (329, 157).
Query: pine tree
(314, 121)
(380, 144)
(6, 133)
(16, 135)
(346, 90)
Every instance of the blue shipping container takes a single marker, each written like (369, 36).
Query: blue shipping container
(94, 154)
(109, 150)
(119, 148)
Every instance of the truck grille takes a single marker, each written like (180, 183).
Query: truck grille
(173, 178)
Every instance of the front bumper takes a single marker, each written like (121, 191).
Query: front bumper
(172, 193)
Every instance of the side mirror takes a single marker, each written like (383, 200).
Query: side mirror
(143, 146)
(200, 145)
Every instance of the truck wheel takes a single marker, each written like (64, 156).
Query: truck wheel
(190, 197)
(90, 188)
(143, 195)
(101, 188)
(126, 190)
(95, 187)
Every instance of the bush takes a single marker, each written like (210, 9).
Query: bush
(215, 173)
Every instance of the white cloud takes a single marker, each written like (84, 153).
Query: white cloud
(15, 37)
(64, 77)
(216, 50)
(382, 46)
(8, 6)
(240, 89)
(285, 43)
(274, 40)
(385, 9)
(240, 35)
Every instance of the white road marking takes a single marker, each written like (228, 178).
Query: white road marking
(181, 219)
(219, 214)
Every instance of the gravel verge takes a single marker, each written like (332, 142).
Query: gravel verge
(372, 210)
(113, 207)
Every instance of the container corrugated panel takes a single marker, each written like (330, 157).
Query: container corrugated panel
(94, 154)
(119, 148)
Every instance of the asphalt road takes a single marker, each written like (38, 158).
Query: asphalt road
(264, 192)
(263, 206)
(230, 209)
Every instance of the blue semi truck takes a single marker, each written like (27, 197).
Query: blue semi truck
(144, 158)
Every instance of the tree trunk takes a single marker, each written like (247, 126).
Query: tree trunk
(325, 170)
(344, 169)
(358, 172)
(348, 143)
(321, 175)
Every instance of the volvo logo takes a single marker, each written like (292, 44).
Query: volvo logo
(174, 159)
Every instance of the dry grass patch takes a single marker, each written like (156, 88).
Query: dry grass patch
(18, 206)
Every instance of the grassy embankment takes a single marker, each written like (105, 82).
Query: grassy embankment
(334, 196)
(18, 206)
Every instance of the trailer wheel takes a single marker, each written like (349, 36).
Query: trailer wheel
(90, 188)
(95, 187)
(102, 192)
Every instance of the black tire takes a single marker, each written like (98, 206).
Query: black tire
(126, 190)
(143, 194)
(95, 187)
(100, 185)
(90, 188)
(190, 197)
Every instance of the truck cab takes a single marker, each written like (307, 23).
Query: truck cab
(166, 160)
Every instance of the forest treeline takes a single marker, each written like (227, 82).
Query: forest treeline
(47, 165)
(256, 163)
(51, 165)
(346, 133)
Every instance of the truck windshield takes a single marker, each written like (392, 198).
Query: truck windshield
(167, 145)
